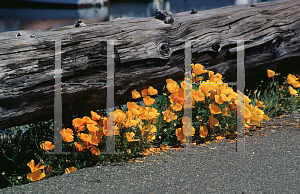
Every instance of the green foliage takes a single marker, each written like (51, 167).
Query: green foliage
(18, 151)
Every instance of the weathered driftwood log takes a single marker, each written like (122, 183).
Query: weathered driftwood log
(148, 55)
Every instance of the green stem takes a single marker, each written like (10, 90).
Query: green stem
(8, 180)
(7, 157)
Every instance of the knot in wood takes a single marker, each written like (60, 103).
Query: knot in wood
(164, 49)
(165, 16)
(215, 46)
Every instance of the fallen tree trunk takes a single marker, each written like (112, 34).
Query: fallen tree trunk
(148, 55)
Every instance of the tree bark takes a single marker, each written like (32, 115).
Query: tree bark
(148, 55)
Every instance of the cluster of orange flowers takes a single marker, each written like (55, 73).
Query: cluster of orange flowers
(214, 88)
(291, 79)
(36, 173)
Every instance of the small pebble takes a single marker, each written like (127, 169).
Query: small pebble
(194, 11)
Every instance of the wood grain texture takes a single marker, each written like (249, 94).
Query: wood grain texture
(148, 55)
